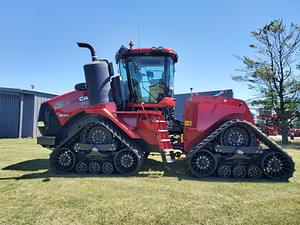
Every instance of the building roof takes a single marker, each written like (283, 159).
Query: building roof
(4, 90)
(226, 93)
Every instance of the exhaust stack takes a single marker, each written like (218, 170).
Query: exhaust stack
(97, 76)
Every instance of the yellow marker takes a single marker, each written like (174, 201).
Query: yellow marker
(187, 123)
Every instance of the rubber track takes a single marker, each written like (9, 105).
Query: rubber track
(260, 135)
(115, 131)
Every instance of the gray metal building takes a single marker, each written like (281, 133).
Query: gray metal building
(19, 111)
(181, 98)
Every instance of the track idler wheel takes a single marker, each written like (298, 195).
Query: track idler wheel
(81, 167)
(107, 168)
(62, 160)
(277, 165)
(127, 161)
(224, 171)
(94, 167)
(254, 172)
(202, 163)
(239, 171)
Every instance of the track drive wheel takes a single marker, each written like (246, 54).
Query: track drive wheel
(96, 134)
(62, 160)
(277, 165)
(236, 136)
(202, 163)
(127, 161)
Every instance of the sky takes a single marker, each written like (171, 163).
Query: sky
(38, 38)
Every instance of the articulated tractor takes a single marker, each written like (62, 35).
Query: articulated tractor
(111, 123)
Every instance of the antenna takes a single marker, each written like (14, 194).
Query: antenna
(139, 36)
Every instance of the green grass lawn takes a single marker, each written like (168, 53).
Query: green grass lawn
(30, 194)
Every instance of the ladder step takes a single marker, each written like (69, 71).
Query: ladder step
(162, 131)
(165, 140)
(160, 121)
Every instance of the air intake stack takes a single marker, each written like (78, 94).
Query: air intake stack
(97, 76)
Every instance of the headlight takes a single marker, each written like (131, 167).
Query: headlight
(40, 124)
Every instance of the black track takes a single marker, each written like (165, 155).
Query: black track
(202, 159)
(104, 160)
(272, 162)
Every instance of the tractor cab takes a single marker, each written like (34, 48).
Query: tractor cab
(147, 74)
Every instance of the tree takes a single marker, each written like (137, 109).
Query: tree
(272, 71)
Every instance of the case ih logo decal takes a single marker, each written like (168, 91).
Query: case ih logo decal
(62, 104)
(83, 98)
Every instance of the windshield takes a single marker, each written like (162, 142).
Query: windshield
(150, 78)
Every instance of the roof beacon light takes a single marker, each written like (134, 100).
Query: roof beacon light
(131, 44)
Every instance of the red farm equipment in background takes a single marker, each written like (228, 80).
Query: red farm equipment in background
(268, 122)
(111, 123)
(294, 132)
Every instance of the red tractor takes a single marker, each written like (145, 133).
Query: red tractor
(294, 132)
(111, 123)
(268, 123)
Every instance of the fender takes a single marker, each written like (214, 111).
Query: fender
(108, 111)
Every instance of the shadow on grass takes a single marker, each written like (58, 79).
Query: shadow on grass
(151, 168)
(29, 165)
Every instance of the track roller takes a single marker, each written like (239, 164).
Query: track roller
(254, 172)
(94, 167)
(107, 168)
(239, 171)
(81, 167)
(202, 163)
(224, 171)
(62, 160)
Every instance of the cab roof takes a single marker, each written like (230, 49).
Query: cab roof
(154, 51)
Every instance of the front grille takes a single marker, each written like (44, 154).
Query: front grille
(51, 126)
